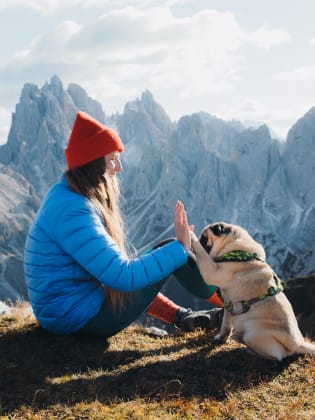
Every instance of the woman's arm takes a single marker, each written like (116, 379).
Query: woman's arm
(81, 234)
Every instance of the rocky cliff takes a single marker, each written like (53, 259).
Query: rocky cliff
(18, 204)
(219, 169)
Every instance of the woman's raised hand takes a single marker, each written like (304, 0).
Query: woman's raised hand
(182, 229)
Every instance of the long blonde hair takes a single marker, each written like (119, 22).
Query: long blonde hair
(92, 181)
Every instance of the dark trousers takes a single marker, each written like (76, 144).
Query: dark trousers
(110, 321)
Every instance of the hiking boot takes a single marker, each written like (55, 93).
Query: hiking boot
(189, 320)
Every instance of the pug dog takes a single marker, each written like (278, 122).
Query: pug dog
(255, 307)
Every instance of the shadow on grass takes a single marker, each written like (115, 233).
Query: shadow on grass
(38, 369)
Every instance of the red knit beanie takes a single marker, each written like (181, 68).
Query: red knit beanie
(89, 140)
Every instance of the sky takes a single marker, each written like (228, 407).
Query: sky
(247, 60)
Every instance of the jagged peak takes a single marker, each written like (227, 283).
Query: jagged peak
(147, 97)
(147, 106)
(77, 88)
(84, 102)
(310, 113)
(28, 90)
(304, 125)
(55, 81)
(262, 130)
(55, 86)
(211, 119)
(146, 103)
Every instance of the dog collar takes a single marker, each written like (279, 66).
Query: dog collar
(243, 306)
(238, 256)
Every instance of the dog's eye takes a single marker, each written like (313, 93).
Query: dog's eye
(220, 229)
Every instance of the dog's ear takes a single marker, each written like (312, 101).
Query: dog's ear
(220, 229)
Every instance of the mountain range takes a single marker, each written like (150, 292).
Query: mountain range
(219, 169)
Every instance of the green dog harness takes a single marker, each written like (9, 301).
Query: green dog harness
(238, 256)
(244, 306)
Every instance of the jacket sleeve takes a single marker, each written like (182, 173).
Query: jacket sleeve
(81, 233)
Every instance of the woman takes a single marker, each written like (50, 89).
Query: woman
(77, 271)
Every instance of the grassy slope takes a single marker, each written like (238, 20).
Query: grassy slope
(136, 376)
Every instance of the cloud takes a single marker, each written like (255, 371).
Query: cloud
(197, 54)
(43, 6)
(299, 74)
(278, 118)
(52, 46)
(266, 38)
(148, 48)
(47, 7)
(4, 125)
(129, 49)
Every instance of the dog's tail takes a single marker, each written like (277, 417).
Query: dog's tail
(306, 347)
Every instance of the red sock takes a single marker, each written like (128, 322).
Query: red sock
(163, 308)
(215, 300)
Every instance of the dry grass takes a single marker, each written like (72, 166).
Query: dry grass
(137, 376)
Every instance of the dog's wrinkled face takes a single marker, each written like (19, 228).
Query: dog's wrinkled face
(221, 237)
(212, 232)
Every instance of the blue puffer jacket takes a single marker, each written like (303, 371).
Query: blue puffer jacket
(68, 248)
